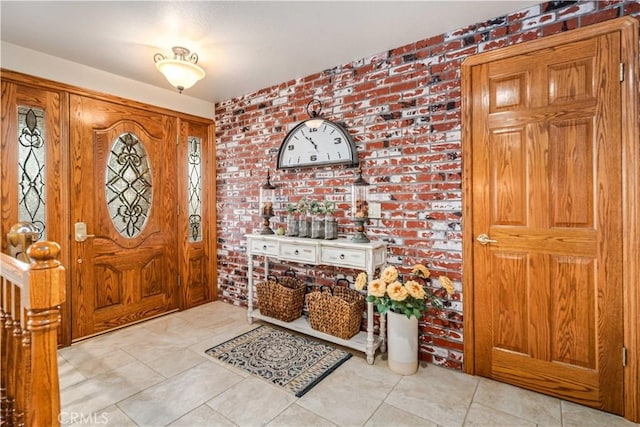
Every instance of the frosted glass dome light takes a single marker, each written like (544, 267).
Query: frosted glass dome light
(182, 71)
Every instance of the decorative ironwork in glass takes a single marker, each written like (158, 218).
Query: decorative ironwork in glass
(194, 190)
(31, 167)
(128, 185)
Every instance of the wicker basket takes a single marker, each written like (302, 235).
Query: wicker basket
(281, 297)
(336, 311)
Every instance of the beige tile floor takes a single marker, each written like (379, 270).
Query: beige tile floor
(156, 374)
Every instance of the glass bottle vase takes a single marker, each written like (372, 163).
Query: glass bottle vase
(292, 226)
(317, 227)
(304, 227)
(330, 228)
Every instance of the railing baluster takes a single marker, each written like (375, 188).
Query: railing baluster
(30, 296)
(4, 340)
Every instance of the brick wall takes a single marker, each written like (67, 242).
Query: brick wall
(403, 109)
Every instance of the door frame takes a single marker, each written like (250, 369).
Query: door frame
(628, 29)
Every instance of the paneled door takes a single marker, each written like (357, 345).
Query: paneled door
(547, 220)
(123, 215)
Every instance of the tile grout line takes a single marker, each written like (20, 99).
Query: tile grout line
(385, 397)
(473, 398)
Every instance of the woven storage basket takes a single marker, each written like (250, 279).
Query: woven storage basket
(281, 297)
(336, 312)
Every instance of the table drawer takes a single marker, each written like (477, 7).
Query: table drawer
(299, 252)
(356, 258)
(264, 247)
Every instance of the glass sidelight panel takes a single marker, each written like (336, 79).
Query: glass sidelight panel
(194, 190)
(31, 167)
(128, 185)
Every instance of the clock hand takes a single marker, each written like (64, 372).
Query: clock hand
(314, 144)
(310, 140)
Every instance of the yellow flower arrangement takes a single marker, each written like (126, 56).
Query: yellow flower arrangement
(397, 292)
(411, 298)
(447, 284)
(361, 281)
(415, 289)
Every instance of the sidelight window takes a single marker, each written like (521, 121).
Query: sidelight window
(194, 190)
(31, 167)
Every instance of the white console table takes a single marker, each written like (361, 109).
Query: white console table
(341, 253)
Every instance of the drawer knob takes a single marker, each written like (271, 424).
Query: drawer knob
(264, 247)
(341, 256)
(296, 252)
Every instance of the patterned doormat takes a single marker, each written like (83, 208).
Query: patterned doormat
(293, 362)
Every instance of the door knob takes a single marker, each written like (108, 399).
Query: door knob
(484, 239)
(80, 229)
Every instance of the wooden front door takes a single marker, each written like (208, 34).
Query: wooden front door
(123, 168)
(547, 196)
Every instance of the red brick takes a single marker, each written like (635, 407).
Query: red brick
(411, 47)
(430, 41)
(384, 100)
(632, 8)
(446, 47)
(493, 44)
(569, 11)
(445, 66)
(523, 14)
(416, 224)
(404, 86)
(461, 32)
(365, 86)
(403, 68)
(554, 28)
(499, 32)
(365, 69)
(514, 28)
(447, 344)
(601, 16)
(603, 4)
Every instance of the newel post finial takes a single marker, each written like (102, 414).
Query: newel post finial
(44, 255)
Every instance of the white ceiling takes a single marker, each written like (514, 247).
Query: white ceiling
(243, 46)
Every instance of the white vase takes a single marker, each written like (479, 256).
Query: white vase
(402, 341)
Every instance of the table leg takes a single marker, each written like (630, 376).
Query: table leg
(250, 289)
(266, 267)
(383, 333)
(370, 348)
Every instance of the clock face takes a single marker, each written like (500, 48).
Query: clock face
(327, 144)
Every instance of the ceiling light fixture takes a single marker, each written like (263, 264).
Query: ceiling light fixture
(182, 71)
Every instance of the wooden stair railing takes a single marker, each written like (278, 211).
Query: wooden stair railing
(30, 295)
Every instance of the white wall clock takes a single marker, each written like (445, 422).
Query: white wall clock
(317, 142)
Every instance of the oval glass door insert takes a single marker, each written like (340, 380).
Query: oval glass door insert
(128, 185)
